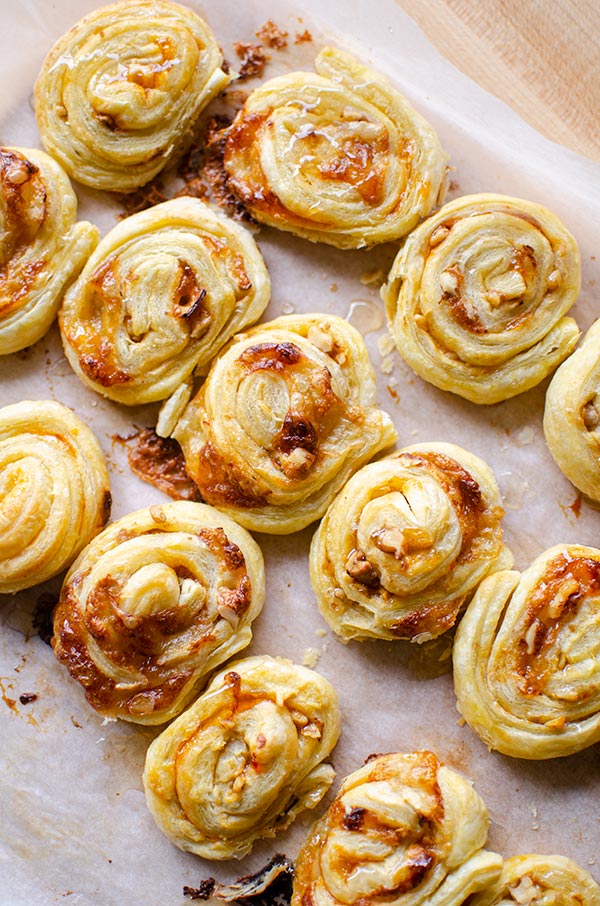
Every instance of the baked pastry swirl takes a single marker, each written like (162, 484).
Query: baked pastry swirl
(477, 295)
(406, 543)
(526, 665)
(338, 156)
(42, 248)
(54, 491)
(285, 416)
(245, 759)
(540, 881)
(119, 93)
(572, 415)
(153, 604)
(403, 830)
(164, 290)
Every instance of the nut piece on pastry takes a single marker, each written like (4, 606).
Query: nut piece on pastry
(338, 156)
(285, 416)
(119, 93)
(245, 759)
(42, 248)
(477, 295)
(162, 293)
(54, 491)
(153, 604)
(526, 665)
(406, 543)
(404, 831)
(540, 881)
(572, 415)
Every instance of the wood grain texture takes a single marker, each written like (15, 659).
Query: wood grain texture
(542, 57)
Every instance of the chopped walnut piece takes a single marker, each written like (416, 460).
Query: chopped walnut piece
(320, 339)
(314, 729)
(590, 415)
(554, 280)
(449, 282)
(390, 541)
(359, 568)
(438, 235)
(525, 892)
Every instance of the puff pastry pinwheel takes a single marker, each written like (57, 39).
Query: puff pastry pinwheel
(164, 290)
(572, 415)
(406, 543)
(153, 604)
(338, 156)
(526, 656)
(403, 830)
(42, 248)
(245, 759)
(540, 881)
(284, 417)
(477, 295)
(119, 93)
(54, 491)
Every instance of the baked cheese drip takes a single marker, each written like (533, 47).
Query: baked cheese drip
(527, 656)
(54, 491)
(406, 543)
(404, 830)
(245, 759)
(164, 290)
(153, 604)
(42, 248)
(285, 416)
(540, 881)
(476, 297)
(572, 415)
(338, 156)
(119, 93)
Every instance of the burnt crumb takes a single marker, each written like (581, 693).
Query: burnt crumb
(142, 199)
(271, 35)
(226, 66)
(303, 37)
(203, 172)
(373, 757)
(270, 886)
(42, 616)
(160, 462)
(254, 59)
(27, 697)
(203, 892)
(106, 507)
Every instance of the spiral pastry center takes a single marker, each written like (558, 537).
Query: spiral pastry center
(410, 535)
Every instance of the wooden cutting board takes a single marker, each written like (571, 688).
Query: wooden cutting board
(542, 57)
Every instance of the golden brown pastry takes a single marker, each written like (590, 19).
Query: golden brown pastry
(540, 881)
(285, 416)
(526, 667)
(572, 415)
(406, 543)
(403, 830)
(245, 759)
(42, 248)
(164, 290)
(338, 156)
(54, 491)
(477, 295)
(153, 604)
(119, 93)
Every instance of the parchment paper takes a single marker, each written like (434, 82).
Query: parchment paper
(74, 825)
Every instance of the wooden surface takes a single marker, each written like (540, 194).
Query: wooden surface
(542, 57)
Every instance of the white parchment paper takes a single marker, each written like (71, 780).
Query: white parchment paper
(74, 827)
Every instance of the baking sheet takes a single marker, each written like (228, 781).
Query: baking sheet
(74, 825)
